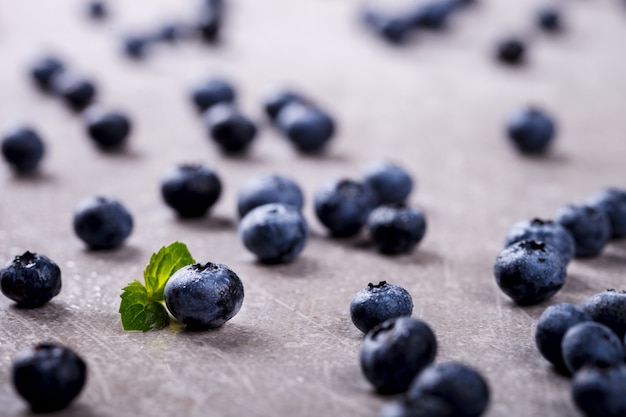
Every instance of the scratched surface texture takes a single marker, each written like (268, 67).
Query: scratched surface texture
(436, 106)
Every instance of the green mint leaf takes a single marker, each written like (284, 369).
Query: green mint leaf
(139, 312)
(162, 265)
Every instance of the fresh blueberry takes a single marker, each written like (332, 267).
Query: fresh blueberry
(395, 351)
(270, 188)
(309, 128)
(191, 189)
(210, 20)
(23, 149)
(395, 228)
(531, 130)
(274, 232)
(613, 202)
(278, 99)
(31, 279)
(460, 386)
(426, 406)
(608, 308)
(394, 29)
(554, 322)
(547, 231)
(97, 10)
(549, 19)
(433, 15)
(109, 129)
(390, 181)
(589, 343)
(212, 92)
(204, 296)
(77, 92)
(590, 227)
(600, 391)
(102, 222)
(48, 376)
(229, 128)
(529, 271)
(343, 206)
(44, 70)
(377, 303)
(511, 51)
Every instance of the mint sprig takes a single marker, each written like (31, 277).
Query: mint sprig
(142, 306)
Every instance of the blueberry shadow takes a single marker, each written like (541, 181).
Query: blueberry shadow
(124, 253)
(51, 312)
(75, 409)
(227, 337)
(122, 152)
(301, 267)
(207, 222)
(33, 177)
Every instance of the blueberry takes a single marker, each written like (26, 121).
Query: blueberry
(97, 10)
(229, 128)
(547, 231)
(191, 189)
(274, 232)
(390, 182)
(511, 50)
(44, 70)
(269, 188)
(600, 391)
(77, 92)
(426, 406)
(31, 279)
(23, 149)
(377, 303)
(136, 46)
(591, 343)
(395, 351)
(549, 19)
(554, 322)
(529, 271)
(210, 20)
(433, 15)
(307, 127)
(531, 130)
(170, 32)
(394, 29)
(396, 229)
(613, 202)
(102, 222)
(343, 206)
(204, 296)
(108, 129)
(590, 227)
(48, 376)
(608, 308)
(460, 386)
(212, 92)
(276, 100)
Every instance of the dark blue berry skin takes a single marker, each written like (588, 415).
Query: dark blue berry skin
(136, 46)
(31, 279)
(191, 189)
(433, 15)
(510, 51)
(102, 222)
(76, 92)
(608, 308)
(529, 271)
(23, 149)
(554, 322)
(44, 70)
(275, 232)
(276, 100)
(549, 19)
(547, 231)
(395, 351)
(210, 21)
(391, 183)
(270, 188)
(109, 130)
(229, 128)
(97, 10)
(600, 391)
(394, 29)
(396, 229)
(48, 376)
(307, 127)
(613, 202)
(531, 130)
(343, 206)
(204, 296)
(590, 227)
(460, 386)
(377, 303)
(425, 406)
(212, 92)
(591, 343)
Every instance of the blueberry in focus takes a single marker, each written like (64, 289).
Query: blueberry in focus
(102, 222)
(44, 70)
(609, 308)
(390, 182)
(590, 226)
(529, 272)
(613, 202)
(600, 391)
(48, 376)
(204, 296)
(278, 99)
(343, 206)
(531, 130)
(547, 231)
(274, 232)
(377, 303)
(212, 92)
(549, 19)
(23, 149)
(460, 386)
(77, 92)
(307, 127)
(554, 322)
(395, 351)
(590, 343)
(229, 128)
(268, 188)
(31, 279)
(191, 189)
(109, 129)
(394, 29)
(395, 228)
(510, 51)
